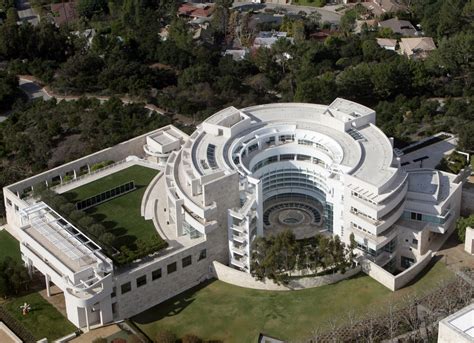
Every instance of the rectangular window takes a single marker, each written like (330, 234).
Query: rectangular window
(202, 255)
(407, 262)
(141, 281)
(172, 267)
(126, 287)
(156, 274)
(9, 202)
(114, 292)
(415, 242)
(187, 261)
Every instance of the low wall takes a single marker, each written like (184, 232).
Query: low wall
(394, 282)
(409, 274)
(242, 279)
(467, 203)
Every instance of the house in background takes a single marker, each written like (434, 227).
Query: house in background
(387, 43)
(402, 27)
(266, 39)
(64, 13)
(417, 48)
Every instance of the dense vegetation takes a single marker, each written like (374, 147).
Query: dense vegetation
(13, 277)
(276, 257)
(413, 98)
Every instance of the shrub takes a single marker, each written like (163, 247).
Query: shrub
(86, 222)
(96, 230)
(99, 340)
(107, 238)
(165, 337)
(190, 338)
(462, 224)
(66, 209)
(76, 215)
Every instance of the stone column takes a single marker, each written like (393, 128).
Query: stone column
(47, 279)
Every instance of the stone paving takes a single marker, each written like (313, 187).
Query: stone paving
(454, 256)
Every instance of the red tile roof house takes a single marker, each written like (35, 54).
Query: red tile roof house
(190, 10)
(64, 12)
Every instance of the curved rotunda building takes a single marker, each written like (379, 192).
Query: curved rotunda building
(251, 171)
(243, 173)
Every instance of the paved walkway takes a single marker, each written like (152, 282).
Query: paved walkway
(56, 299)
(454, 255)
(102, 332)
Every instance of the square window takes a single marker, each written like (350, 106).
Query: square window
(172, 267)
(126, 287)
(156, 274)
(202, 255)
(141, 281)
(187, 261)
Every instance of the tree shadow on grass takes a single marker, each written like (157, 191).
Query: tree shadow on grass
(425, 270)
(127, 240)
(171, 307)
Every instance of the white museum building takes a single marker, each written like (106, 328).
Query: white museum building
(242, 173)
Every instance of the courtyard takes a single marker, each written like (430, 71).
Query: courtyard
(220, 311)
(121, 215)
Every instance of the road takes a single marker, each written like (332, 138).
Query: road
(26, 13)
(326, 15)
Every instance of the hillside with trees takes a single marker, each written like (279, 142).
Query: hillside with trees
(188, 76)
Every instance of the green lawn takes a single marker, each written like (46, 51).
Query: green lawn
(234, 314)
(43, 320)
(121, 215)
(9, 246)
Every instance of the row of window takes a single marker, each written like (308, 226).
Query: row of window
(157, 273)
(363, 214)
(426, 217)
(360, 196)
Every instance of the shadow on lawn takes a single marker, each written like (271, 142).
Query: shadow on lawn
(425, 270)
(171, 307)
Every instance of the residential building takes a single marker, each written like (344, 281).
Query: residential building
(417, 48)
(388, 44)
(402, 27)
(265, 39)
(64, 12)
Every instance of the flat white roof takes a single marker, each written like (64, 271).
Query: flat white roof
(462, 321)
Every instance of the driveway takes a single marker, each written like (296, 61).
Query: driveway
(26, 13)
(326, 15)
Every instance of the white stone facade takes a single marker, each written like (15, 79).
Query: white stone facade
(209, 200)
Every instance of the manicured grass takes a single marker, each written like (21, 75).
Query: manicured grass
(9, 246)
(233, 314)
(121, 215)
(43, 320)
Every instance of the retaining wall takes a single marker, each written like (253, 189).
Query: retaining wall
(242, 279)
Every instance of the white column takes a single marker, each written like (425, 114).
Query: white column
(87, 318)
(101, 316)
(47, 279)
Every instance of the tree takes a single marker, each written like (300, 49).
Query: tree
(348, 21)
(462, 224)
(88, 8)
(8, 90)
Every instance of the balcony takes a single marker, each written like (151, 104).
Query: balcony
(239, 250)
(239, 263)
(239, 238)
